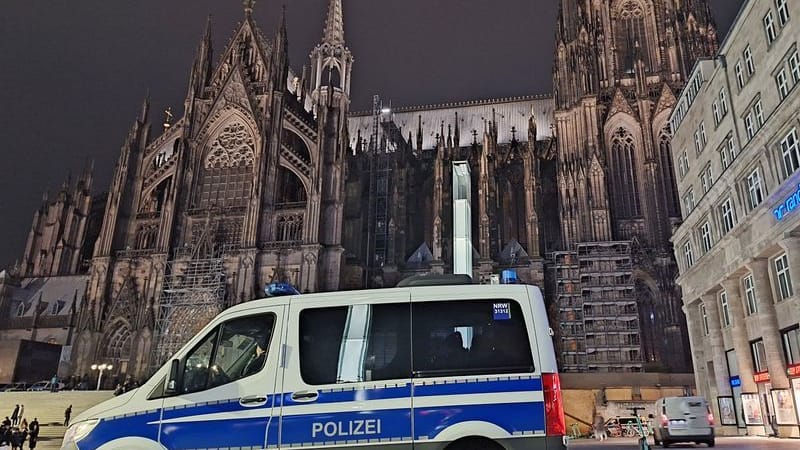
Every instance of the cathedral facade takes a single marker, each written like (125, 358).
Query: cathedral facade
(268, 176)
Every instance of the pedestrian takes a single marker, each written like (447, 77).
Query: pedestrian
(54, 383)
(7, 422)
(24, 424)
(18, 438)
(67, 413)
(5, 429)
(14, 415)
(33, 428)
(600, 428)
(21, 413)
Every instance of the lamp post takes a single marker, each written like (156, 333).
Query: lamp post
(101, 368)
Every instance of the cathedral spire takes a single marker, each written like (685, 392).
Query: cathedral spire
(334, 24)
(248, 7)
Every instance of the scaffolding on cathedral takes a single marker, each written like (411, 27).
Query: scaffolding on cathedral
(378, 227)
(194, 293)
(597, 308)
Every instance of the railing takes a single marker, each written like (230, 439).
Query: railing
(273, 245)
(135, 253)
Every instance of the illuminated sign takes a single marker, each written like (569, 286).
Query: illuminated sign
(793, 371)
(736, 381)
(790, 204)
(761, 377)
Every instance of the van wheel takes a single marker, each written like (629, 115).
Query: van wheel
(711, 443)
(665, 444)
(474, 443)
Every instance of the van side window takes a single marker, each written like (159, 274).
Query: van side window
(356, 343)
(474, 337)
(234, 350)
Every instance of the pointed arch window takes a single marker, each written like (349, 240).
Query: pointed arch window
(669, 185)
(631, 36)
(227, 175)
(625, 180)
(118, 345)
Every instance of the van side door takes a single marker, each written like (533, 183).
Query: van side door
(226, 387)
(347, 375)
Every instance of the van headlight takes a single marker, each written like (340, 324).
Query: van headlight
(78, 431)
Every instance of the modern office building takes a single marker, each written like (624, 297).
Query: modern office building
(737, 160)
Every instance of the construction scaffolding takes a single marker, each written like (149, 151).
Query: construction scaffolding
(194, 293)
(377, 226)
(597, 308)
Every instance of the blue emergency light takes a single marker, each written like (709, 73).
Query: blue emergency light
(509, 276)
(280, 289)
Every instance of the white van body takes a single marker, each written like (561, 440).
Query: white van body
(330, 377)
(683, 419)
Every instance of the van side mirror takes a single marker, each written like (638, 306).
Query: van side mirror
(174, 378)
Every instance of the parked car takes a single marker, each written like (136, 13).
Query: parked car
(15, 387)
(44, 386)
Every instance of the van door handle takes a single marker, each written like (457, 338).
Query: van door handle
(305, 396)
(253, 400)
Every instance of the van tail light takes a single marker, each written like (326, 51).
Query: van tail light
(664, 420)
(553, 405)
(710, 417)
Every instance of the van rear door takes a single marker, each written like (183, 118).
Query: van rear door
(347, 375)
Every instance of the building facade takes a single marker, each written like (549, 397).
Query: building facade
(737, 158)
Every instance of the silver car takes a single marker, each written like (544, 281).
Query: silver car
(683, 419)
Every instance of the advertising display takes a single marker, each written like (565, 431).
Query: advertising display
(784, 407)
(727, 411)
(752, 410)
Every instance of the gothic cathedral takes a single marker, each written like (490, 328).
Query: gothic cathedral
(268, 176)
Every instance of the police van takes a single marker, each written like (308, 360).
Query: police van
(456, 367)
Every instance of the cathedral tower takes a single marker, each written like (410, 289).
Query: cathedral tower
(619, 65)
(244, 188)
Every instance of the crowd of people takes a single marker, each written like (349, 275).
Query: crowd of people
(15, 430)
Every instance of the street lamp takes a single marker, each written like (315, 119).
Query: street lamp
(101, 368)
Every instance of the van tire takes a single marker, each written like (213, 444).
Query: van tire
(711, 443)
(474, 443)
(665, 444)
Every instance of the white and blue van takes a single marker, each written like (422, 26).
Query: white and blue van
(457, 367)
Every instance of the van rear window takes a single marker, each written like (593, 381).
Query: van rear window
(695, 404)
(474, 337)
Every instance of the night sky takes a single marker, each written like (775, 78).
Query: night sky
(73, 73)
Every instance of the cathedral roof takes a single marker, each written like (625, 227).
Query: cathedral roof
(474, 115)
(47, 291)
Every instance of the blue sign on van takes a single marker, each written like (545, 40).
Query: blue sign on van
(502, 311)
(736, 381)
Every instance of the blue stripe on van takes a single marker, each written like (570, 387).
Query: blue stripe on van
(122, 426)
(512, 417)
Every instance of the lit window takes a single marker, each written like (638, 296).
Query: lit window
(739, 75)
(759, 112)
(748, 61)
(728, 216)
(688, 202)
(785, 289)
(756, 195)
(707, 179)
(687, 252)
(706, 238)
(750, 295)
(783, 83)
(703, 133)
(794, 66)
(749, 125)
(723, 101)
(698, 146)
(704, 315)
(726, 309)
(790, 152)
(783, 12)
(769, 28)
(759, 356)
